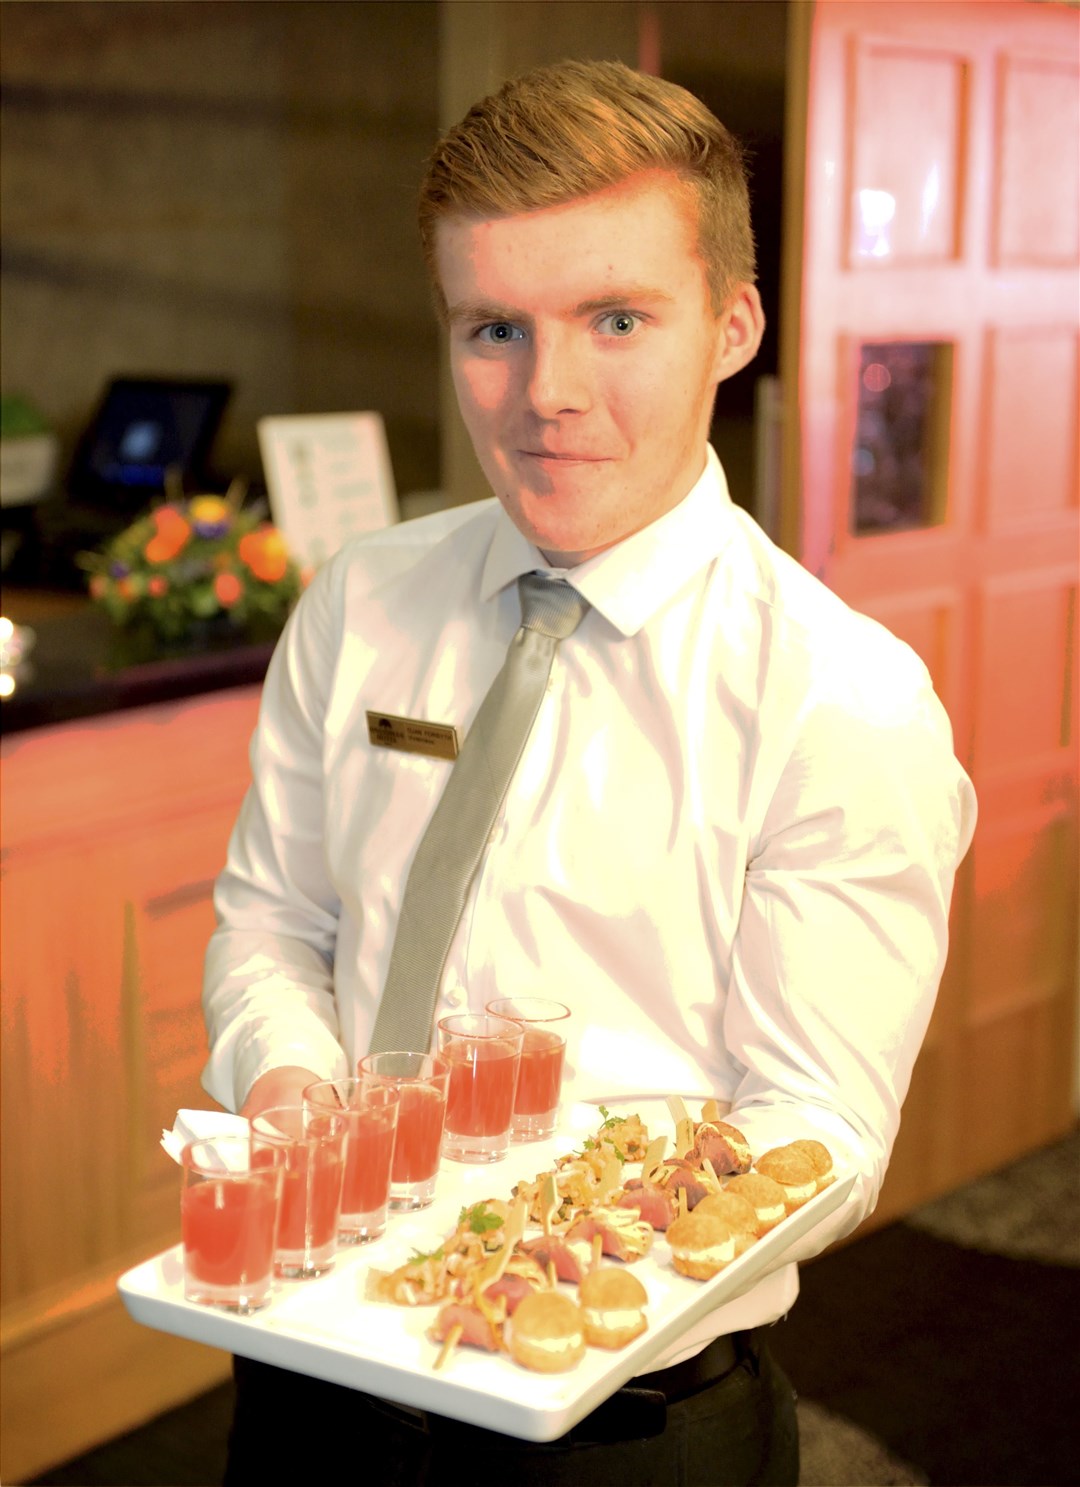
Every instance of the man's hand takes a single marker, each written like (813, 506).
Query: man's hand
(282, 1086)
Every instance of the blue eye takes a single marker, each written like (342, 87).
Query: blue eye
(620, 323)
(500, 333)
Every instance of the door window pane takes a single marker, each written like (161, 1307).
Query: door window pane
(899, 459)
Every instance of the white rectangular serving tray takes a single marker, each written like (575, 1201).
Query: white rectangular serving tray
(325, 1327)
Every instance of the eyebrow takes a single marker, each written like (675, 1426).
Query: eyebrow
(478, 311)
(619, 299)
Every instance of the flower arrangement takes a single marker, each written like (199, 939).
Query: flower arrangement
(196, 564)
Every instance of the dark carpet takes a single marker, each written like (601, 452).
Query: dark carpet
(940, 1350)
(964, 1364)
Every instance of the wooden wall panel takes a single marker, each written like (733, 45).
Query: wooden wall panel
(113, 833)
(78, 1371)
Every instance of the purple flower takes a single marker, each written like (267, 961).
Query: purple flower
(118, 569)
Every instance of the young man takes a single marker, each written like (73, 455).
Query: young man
(730, 839)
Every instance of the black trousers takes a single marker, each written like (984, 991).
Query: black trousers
(737, 1429)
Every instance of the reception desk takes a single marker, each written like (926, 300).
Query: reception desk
(119, 788)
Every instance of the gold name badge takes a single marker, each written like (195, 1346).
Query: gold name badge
(412, 736)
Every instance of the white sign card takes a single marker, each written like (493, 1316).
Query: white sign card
(328, 476)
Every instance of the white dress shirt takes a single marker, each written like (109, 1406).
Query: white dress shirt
(729, 844)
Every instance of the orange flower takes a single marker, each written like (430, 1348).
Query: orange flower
(129, 588)
(228, 589)
(265, 553)
(156, 586)
(172, 531)
(98, 584)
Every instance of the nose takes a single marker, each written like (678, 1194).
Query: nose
(559, 375)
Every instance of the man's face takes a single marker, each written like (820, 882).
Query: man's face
(585, 354)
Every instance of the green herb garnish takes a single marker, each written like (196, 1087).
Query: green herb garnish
(418, 1257)
(479, 1220)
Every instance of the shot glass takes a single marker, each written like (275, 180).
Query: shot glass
(313, 1144)
(371, 1116)
(536, 1103)
(484, 1053)
(230, 1204)
(420, 1080)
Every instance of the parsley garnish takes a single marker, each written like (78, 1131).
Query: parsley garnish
(479, 1220)
(418, 1257)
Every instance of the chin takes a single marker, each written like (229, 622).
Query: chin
(557, 540)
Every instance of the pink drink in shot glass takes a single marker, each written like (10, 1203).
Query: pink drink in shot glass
(371, 1115)
(543, 1051)
(314, 1146)
(421, 1081)
(230, 1204)
(484, 1053)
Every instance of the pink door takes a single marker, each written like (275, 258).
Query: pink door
(931, 480)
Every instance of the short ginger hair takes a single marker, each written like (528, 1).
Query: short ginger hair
(570, 129)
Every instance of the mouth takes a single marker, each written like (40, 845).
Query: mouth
(565, 457)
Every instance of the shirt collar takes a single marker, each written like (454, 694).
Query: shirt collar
(630, 582)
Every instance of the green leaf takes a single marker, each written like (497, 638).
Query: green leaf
(480, 1221)
(418, 1256)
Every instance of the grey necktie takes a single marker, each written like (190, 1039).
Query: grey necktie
(450, 850)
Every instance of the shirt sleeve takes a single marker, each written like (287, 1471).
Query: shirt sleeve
(843, 929)
(268, 991)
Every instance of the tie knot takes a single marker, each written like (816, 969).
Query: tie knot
(551, 606)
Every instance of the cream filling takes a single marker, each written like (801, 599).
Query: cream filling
(714, 1254)
(800, 1194)
(771, 1215)
(581, 1249)
(555, 1345)
(612, 1318)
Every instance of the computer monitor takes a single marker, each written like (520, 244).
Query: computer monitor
(143, 427)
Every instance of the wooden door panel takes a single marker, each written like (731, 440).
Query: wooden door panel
(904, 198)
(940, 208)
(1031, 384)
(1040, 121)
(1024, 717)
(1026, 944)
(1017, 1070)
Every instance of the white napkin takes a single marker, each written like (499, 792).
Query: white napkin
(200, 1125)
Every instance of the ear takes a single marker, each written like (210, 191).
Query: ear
(741, 324)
